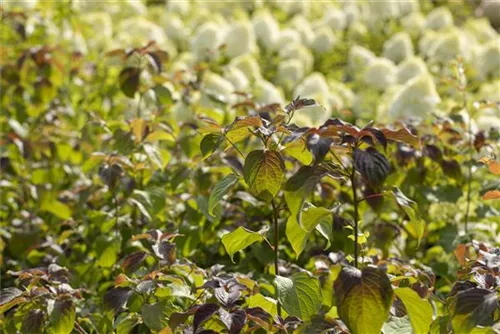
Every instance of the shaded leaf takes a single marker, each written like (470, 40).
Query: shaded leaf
(472, 307)
(372, 165)
(264, 172)
(133, 261)
(129, 80)
(203, 313)
(416, 225)
(33, 322)
(115, 298)
(402, 135)
(364, 298)
(210, 143)
(300, 295)
(155, 316)
(8, 294)
(62, 317)
(220, 189)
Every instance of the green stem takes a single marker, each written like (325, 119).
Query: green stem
(355, 203)
(276, 244)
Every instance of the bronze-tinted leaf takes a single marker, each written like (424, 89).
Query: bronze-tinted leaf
(133, 261)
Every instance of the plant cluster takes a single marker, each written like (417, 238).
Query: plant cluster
(118, 217)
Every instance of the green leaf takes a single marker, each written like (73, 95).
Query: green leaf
(239, 130)
(416, 224)
(312, 216)
(363, 299)
(58, 209)
(419, 310)
(296, 235)
(210, 143)
(125, 324)
(163, 95)
(299, 187)
(62, 317)
(220, 190)
(266, 303)
(129, 80)
(264, 172)
(299, 295)
(155, 316)
(397, 325)
(240, 239)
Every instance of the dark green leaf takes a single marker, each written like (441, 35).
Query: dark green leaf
(129, 80)
(372, 165)
(264, 172)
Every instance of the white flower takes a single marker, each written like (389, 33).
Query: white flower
(447, 46)
(489, 59)
(410, 68)
(491, 10)
(359, 58)
(179, 6)
(144, 32)
(207, 37)
(398, 47)
(351, 11)
(439, 18)
(324, 40)
(174, 27)
(344, 92)
(266, 93)
(335, 19)
(383, 10)
(236, 77)
(240, 39)
(408, 6)
(417, 98)
(290, 72)
(266, 29)
(298, 51)
(302, 25)
(20, 5)
(481, 29)
(380, 73)
(413, 23)
(248, 65)
(216, 85)
(286, 37)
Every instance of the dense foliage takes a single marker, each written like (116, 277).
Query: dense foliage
(155, 180)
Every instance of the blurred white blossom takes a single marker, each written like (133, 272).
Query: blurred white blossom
(417, 98)
(380, 74)
(398, 47)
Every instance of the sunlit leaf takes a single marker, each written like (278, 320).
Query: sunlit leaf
(363, 298)
(240, 239)
(264, 172)
(419, 310)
